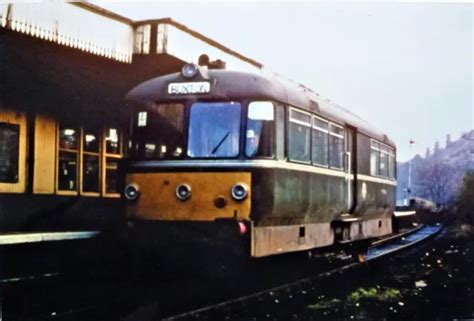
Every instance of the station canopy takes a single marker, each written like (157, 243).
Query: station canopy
(92, 29)
(134, 51)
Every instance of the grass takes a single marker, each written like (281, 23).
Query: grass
(374, 294)
(325, 304)
(378, 294)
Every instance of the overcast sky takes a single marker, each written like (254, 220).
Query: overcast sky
(405, 67)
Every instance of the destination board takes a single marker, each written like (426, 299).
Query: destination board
(186, 88)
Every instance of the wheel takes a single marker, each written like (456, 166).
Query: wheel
(359, 252)
(361, 257)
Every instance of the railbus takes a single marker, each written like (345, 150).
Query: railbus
(244, 163)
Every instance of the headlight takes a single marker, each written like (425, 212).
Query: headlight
(240, 191)
(189, 70)
(183, 192)
(131, 192)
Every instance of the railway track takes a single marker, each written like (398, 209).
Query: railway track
(238, 306)
(97, 309)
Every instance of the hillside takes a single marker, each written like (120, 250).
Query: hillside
(437, 175)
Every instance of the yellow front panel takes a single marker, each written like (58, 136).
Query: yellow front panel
(158, 201)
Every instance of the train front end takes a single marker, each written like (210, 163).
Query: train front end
(185, 196)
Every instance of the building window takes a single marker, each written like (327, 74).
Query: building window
(91, 141)
(336, 147)
(68, 159)
(9, 152)
(320, 150)
(113, 153)
(88, 161)
(299, 131)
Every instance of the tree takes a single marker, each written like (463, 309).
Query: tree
(465, 199)
(434, 181)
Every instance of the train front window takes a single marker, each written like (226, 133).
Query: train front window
(260, 130)
(214, 130)
(159, 132)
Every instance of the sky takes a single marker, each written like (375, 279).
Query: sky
(407, 68)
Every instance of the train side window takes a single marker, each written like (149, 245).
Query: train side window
(391, 163)
(374, 158)
(384, 159)
(68, 159)
(260, 134)
(299, 136)
(9, 152)
(320, 141)
(280, 131)
(336, 146)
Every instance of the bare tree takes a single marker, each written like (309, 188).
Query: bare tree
(465, 199)
(434, 180)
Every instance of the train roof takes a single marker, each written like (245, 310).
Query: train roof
(235, 85)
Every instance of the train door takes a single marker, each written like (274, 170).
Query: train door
(351, 168)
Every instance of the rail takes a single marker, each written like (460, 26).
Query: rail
(381, 249)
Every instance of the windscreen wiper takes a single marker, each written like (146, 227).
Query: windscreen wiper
(214, 150)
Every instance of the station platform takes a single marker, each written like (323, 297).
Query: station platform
(30, 256)
(36, 237)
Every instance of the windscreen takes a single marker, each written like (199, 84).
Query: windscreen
(159, 132)
(214, 130)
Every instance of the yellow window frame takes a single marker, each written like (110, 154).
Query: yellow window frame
(102, 154)
(106, 155)
(16, 118)
(78, 160)
(81, 163)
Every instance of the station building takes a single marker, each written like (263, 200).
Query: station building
(65, 69)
